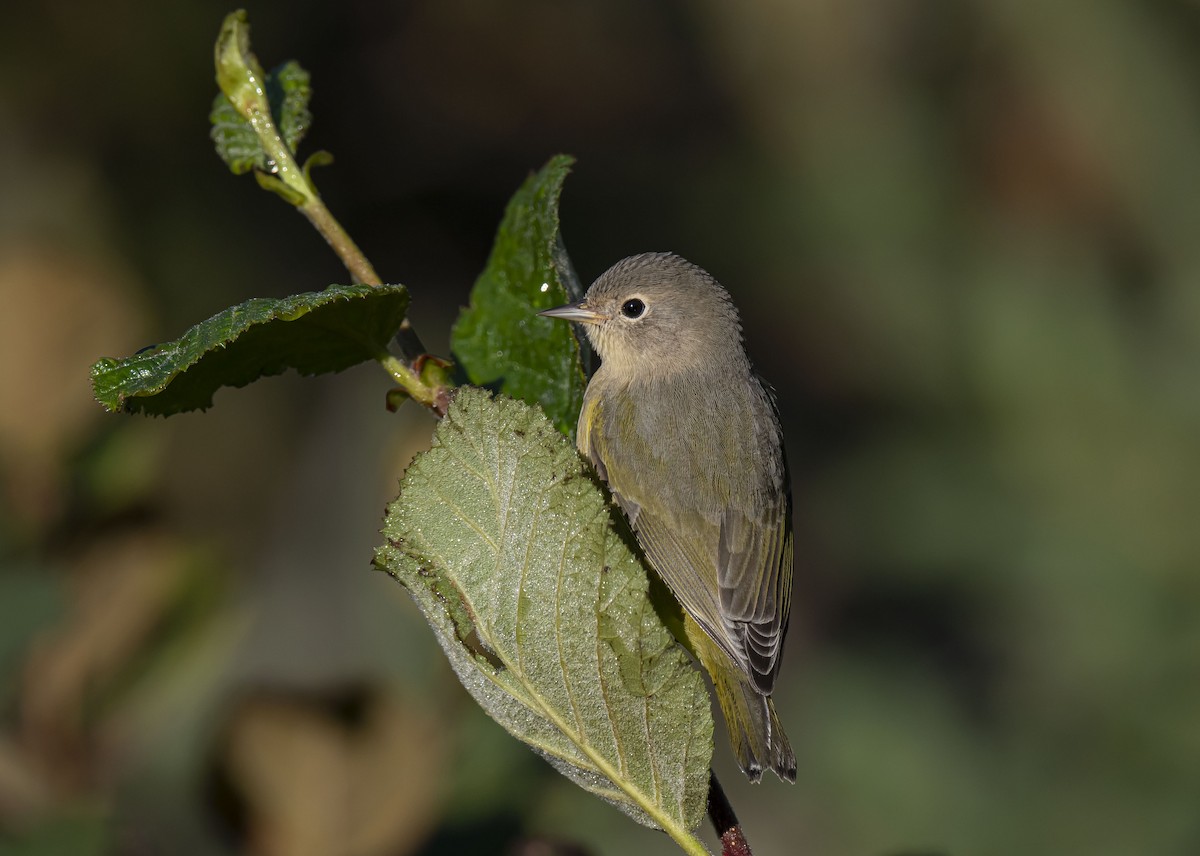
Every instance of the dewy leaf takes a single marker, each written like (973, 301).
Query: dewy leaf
(507, 544)
(238, 144)
(313, 333)
(288, 91)
(499, 340)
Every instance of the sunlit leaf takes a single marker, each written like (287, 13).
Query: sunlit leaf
(506, 542)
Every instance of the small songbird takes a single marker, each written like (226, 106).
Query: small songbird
(687, 437)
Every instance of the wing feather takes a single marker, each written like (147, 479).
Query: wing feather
(732, 571)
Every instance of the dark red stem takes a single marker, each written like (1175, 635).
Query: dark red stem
(724, 821)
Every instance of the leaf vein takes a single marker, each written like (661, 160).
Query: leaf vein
(462, 514)
(562, 662)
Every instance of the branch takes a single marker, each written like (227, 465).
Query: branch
(724, 821)
(243, 81)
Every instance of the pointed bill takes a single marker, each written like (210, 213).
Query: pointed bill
(575, 312)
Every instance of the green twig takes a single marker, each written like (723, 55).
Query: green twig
(243, 82)
(339, 240)
(434, 394)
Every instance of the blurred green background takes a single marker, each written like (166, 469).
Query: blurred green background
(965, 239)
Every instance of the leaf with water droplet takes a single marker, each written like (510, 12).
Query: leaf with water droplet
(499, 340)
(506, 543)
(313, 333)
(288, 92)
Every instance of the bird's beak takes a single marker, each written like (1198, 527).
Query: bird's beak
(576, 312)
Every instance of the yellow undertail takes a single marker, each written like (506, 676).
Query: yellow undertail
(754, 730)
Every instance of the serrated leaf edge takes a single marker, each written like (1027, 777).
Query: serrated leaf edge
(155, 354)
(623, 791)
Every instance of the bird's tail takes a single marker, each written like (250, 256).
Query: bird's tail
(754, 730)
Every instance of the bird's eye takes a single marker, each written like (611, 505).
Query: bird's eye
(633, 308)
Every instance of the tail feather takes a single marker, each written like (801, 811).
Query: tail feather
(754, 729)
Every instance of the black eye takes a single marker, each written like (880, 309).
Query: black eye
(633, 308)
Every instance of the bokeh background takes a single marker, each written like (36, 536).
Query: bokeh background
(965, 238)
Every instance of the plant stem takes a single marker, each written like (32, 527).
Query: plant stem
(338, 239)
(691, 844)
(724, 821)
(355, 261)
(243, 82)
(436, 398)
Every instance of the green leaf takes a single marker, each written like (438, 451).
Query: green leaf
(238, 144)
(288, 92)
(499, 340)
(506, 543)
(313, 333)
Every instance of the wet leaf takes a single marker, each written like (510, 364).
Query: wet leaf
(251, 102)
(499, 340)
(313, 333)
(288, 92)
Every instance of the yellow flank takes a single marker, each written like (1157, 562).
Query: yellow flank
(757, 738)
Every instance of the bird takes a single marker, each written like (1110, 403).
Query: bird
(687, 437)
